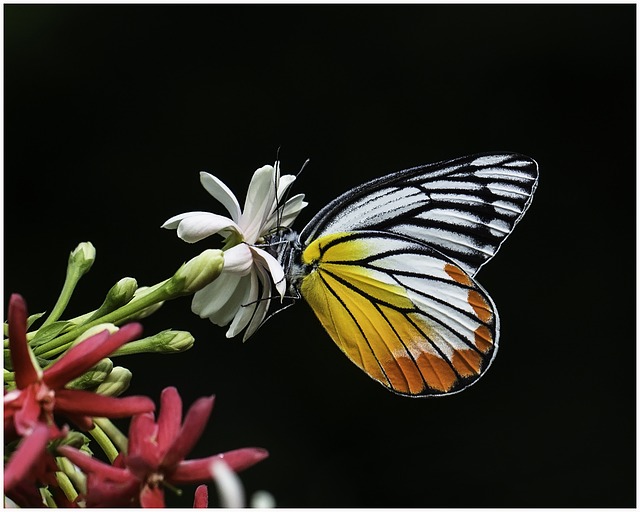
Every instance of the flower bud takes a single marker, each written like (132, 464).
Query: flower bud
(82, 257)
(94, 376)
(174, 341)
(141, 292)
(119, 295)
(196, 273)
(165, 342)
(116, 382)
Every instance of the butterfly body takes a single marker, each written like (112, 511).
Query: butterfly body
(388, 268)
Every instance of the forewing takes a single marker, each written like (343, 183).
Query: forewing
(403, 312)
(465, 208)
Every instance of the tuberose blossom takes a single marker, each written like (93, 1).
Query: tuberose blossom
(240, 295)
(156, 457)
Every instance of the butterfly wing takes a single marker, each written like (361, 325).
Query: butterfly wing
(465, 207)
(406, 314)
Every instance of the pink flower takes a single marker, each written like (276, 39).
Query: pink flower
(156, 457)
(41, 393)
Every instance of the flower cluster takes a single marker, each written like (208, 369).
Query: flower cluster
(156, 450)
(62, 389)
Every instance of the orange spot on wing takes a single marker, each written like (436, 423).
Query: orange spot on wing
(436, 372)
(467, 362)
(479, 305)
(403, 375)
(483, 338)
(457, 275)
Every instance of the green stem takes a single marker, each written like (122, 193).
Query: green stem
(105, 443)
(114, 433)
(66, 485)
(71, 280)
(157, 294)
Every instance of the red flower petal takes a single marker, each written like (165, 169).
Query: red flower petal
(25, 418)
(192, 428)
(92, 465)
(86, 403)
(201, 497)
(169, 418)
(26, 457)
(152, 497)
(82, 422)
(25, 371)
(106, 494)
(86, 354)
(143, 454)
(199, 470)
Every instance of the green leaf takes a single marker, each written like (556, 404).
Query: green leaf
(46, 334)
(33, 318)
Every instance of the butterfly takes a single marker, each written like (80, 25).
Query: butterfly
(389, 269)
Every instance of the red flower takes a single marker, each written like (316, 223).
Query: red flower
(201, 497)
(156, 453)
(39, 393)
(29, 409)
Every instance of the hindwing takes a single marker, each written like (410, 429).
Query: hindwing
(405, 313)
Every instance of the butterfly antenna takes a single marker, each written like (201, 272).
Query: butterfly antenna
(280, 201)
(303, 166)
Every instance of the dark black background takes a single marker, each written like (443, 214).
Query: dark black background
(111, 111)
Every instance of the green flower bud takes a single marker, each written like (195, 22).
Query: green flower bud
(165, 342)
(116, 382)
(175, 341)
(119, 295)
(196, 273)
(141, 292)
(93, 377)
(82, 257)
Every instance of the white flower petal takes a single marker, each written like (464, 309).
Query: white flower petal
(257, 207)
(291, 209)
(284, 183)
(213, 297)
(173, 222)
(289, 213)
(229, 485)
(238, 259)
(221, 192)
(234, 306)
(195, 226)
(261, 306)
(247, 308)
(274, 268)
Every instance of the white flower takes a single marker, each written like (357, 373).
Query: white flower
(241, 294)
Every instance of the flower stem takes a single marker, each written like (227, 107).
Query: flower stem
(157, 294)
(117, 437)
(80, 261)
(67, 486)
(70, 282)
(105, 443)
